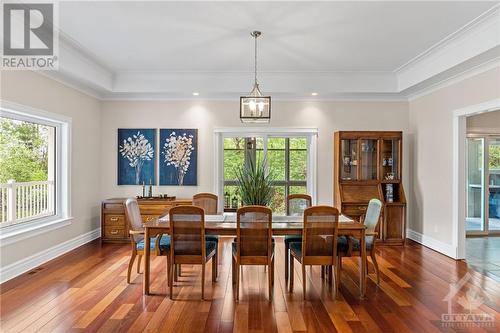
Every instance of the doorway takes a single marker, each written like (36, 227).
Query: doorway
(482, 193)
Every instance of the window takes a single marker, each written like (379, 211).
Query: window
(34, 169)
(289, 156)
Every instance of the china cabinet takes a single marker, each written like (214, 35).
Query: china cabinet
(368, 165)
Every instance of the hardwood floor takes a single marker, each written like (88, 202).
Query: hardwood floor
(86, 291)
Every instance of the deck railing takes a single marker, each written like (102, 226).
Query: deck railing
(21, 202)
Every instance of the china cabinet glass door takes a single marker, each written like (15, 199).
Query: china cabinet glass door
(368, 152)
(349, 162)
(390, 159)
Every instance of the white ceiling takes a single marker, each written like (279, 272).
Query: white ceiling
(330, 47)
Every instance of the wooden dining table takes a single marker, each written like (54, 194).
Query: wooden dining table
(225, 225)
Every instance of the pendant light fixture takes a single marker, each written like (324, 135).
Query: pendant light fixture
(255, 108)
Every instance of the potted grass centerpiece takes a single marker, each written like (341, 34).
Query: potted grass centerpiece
(255, 184)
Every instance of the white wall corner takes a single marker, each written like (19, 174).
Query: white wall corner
(432, 243)
(24, 265)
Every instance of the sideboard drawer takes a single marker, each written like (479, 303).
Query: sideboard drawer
(114, 220)
(114, 232)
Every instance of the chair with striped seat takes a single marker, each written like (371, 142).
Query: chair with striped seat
(160, 245)
(295, 206)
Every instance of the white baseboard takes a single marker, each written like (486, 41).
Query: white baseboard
(19, 267)
(432, 243)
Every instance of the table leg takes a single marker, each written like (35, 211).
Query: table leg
(362, 271)
(147, 251)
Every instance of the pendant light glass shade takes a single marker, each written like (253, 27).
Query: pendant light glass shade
(255, 108)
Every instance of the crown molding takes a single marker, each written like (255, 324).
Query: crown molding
(472, 40)
(471, 49)
(451, 77)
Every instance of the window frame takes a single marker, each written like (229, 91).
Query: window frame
(309, 133)
(62, 173)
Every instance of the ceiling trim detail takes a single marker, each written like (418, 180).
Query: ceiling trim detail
(470, 49)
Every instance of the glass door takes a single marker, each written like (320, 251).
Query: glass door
(368, 152)
(349, 163)
(390, 159)
(483, 185)
(474, 221)
(493, 193)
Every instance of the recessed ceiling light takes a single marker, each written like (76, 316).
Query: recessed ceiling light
(314, 94)
(196, 93)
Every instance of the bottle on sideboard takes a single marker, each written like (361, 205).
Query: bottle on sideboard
(227, 200)
(150, 191)
(234, 202)
(143, 189)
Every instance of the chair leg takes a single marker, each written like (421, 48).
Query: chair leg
(176, 268)
(232, 270)
(272, 270)
(179, 270)
(168, 269)
(270, 281)
(130, 265)
(171, 268)
(330, 275)
(292, 259)
(139, 257)
(214, 268)
(217, 262)
(287, 261)
(237, 269)
(337, 274)
(375, 264)
(203, 281)
(304, 280)
(322, 271)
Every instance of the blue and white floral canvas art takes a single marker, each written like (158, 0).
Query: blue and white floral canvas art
(178, 156)
(136, 156)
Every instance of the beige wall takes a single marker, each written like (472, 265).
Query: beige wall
(427, 121)
(431, 130)
(488, 123)
(40, 92)
(328, 117)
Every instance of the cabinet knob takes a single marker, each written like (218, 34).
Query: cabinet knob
(362, 207)
(114, 232)
(114, 219)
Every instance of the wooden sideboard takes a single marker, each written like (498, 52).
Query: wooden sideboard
(367, 165)
(114, 227)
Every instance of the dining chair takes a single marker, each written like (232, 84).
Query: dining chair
(371, 221)
(254, 244)
(209, 202)
(319, 242)
(159, 244)
(188, 243)
(295, 206)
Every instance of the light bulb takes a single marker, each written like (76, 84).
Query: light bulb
(252, 105)
(261, 106)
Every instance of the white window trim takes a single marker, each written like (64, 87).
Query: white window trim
(16, 232)
(312, 141)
